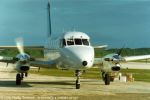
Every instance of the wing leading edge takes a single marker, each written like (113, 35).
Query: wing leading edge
(133, 58)
(124, 59)
(26, 47)
(7, 59)
(39, 63)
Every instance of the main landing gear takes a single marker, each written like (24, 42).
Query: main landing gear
(77, 74)
(106, 78)
(20, 77)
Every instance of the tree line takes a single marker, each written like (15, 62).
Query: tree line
(124, 52)
(98, 52)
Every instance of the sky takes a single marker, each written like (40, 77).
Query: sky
(112, 22)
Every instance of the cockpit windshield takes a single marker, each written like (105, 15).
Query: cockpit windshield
(85, 41)
(76, 41)
(70, 42)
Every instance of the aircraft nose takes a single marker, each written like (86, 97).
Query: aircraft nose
(84, 63)
(80, 56)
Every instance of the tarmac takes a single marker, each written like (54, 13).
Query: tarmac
(42, 87)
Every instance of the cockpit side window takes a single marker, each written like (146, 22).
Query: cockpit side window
(78, 41)
(70, 42)
(64, 42)
(85, 41)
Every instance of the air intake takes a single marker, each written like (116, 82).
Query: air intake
(115, 68)
(24, 68)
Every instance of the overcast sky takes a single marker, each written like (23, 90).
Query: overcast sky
(112, 22)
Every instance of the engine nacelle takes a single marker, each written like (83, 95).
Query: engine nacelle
(115, 68)
(108, 59)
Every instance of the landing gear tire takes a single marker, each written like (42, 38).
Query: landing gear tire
(26, 74)
(107, 79)
(77, 74)
(18, 79)
(22, 76)
(77, 85)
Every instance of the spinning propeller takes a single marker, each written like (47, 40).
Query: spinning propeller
(116, 56)
(20, 46)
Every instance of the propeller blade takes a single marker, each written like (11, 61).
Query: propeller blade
(19, 43)
(120, 51)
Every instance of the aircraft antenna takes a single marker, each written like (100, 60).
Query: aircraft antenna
(49, 19)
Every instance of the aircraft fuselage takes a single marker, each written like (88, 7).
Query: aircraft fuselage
(73, 51)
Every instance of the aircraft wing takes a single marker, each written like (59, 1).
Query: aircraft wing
(130, 58)
(40, 63)
(26, 47)
(100, 47)
(14, 59)
(36, 63)
(7, 59)
(133, 58)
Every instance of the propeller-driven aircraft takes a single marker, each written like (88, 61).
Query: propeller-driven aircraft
(22, 61)
(72, 51)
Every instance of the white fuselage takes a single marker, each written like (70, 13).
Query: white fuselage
(76, 53)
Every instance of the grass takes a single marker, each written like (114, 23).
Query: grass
(94, 73)
(90, 73)
(139, 74)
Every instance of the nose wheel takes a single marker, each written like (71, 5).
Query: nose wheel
(77, 74)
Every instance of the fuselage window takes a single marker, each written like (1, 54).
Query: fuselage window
(70, 42)
(78, 41)
(85, 41)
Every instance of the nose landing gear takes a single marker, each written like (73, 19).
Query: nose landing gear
(20, 77)
(77, 74)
